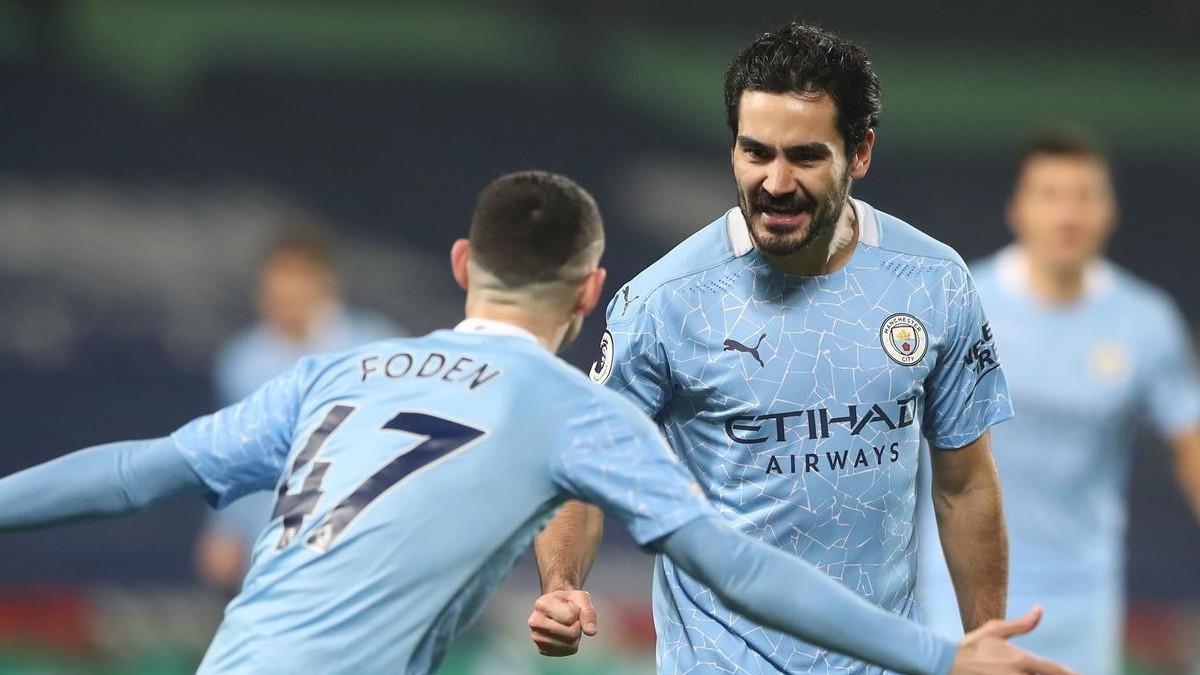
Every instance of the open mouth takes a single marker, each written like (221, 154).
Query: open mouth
(785, 220)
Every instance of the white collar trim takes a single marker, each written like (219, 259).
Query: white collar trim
(868, 224)
(741, 242)
(739, 232)
(1012, 271)
(493, 327)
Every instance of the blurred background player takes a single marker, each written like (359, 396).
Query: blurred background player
(1090, 351)
(301, 313)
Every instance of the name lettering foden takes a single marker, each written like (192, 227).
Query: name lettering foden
(431, 366)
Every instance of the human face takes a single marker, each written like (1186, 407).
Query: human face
(791, 169)
(293, 291)
(1063, 210)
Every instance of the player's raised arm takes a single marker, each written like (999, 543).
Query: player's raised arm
(237, 450)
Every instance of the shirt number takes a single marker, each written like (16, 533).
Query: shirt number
(441, 437)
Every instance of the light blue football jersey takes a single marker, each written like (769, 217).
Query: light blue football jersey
(410, 475)
(799, 404)
(260, 353)
(1084, 376)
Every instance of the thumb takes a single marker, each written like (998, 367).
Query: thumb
(587, 612)
(1018, 626)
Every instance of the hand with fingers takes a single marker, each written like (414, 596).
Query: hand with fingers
(559, 620)
(986, 650)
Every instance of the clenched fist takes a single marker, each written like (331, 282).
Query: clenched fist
(559, 620)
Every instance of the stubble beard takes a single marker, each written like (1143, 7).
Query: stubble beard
(825, 217)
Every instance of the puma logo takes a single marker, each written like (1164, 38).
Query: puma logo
(625, 294)
(735, 346)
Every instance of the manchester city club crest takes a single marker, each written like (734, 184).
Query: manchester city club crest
(603, 366)
(904, 339)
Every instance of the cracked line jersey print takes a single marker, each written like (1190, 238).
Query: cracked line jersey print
(799, 403)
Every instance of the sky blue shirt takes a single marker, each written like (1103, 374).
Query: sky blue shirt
(799, 403)
(410, 475)
(1084, 377)
(259, 353)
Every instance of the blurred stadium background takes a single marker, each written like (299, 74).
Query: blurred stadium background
(150, 149)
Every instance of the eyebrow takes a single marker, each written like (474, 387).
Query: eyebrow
(813, 150)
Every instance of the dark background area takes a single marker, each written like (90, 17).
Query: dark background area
(155, 145)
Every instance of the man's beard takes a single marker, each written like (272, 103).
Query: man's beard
(825, 212)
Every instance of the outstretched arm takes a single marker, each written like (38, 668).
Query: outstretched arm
(749, 575)
(98, 482)
(771, 587)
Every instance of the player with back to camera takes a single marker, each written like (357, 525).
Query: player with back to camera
(808, 438)
(1091, 351)
(412, 472)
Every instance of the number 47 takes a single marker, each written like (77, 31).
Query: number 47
(442, 437)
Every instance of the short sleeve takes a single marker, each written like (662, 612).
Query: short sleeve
(617, 460)
(1172, 388)
(241, 448)
(632, 361)
(966, 392)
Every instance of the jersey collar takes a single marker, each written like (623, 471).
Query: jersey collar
(741, 242)
(1012, 272)
(493, 327)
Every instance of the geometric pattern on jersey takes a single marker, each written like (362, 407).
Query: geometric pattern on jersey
(799, 403)
(410, 474)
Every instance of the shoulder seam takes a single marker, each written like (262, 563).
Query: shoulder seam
(664, 282)
(961, 264)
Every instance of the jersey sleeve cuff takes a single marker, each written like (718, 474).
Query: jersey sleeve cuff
(212, 492)
(952, 442)
(645, 536)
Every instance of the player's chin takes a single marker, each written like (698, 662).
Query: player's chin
(781, 241)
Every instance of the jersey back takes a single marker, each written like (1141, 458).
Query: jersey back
(410, 474)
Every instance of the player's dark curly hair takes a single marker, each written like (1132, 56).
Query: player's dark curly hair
(531, 225)
(805, 59)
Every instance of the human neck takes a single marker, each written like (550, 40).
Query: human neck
(549, 334)
(1056, 284)
(826, 254)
